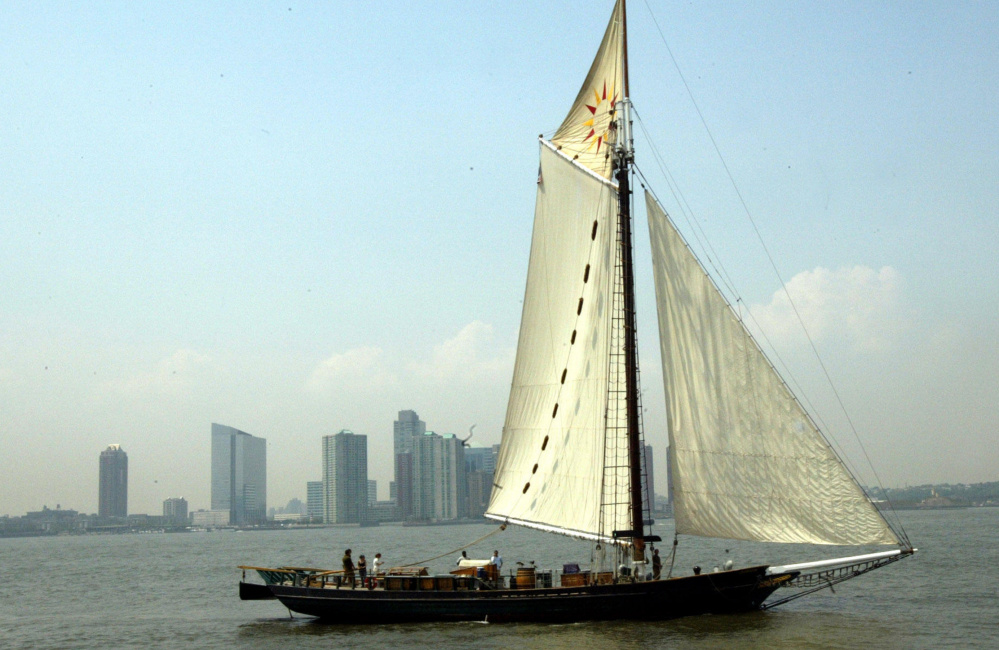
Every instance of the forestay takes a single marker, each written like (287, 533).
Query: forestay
(550, 468)
(747, 461)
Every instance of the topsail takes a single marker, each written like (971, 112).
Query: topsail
(589, 130)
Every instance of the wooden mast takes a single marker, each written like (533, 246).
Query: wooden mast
(622, 174)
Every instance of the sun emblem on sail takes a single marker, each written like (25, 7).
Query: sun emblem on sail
(602, 123)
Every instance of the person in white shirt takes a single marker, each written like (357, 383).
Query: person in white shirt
(463, 556)
(497, 560)
(376, 565)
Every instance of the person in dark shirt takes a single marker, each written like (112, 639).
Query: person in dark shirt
(348, 568)
(657, 565)
(362, 569)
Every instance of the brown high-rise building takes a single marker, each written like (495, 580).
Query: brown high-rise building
(113, 498)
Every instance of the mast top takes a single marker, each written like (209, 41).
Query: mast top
(624, 46)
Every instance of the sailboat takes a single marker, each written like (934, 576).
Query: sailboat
(747, 461)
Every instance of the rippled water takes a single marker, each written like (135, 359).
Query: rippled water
(180, 591)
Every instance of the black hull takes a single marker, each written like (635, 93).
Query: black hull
(724, 592)
(254, 591)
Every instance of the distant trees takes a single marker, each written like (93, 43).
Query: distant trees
(960, 494)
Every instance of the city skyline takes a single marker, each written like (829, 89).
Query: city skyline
(229, 443)
(474, 458)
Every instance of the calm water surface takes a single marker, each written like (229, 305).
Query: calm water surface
(180, 591)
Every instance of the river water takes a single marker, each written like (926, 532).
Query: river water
(180, 591)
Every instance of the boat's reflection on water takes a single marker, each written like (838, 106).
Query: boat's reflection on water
(776, 629)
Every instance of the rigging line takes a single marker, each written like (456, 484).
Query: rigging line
(460, 548)
(672, 555)
(773, 264)
(830, 442)
(722, 273)
(719, 268)
(773, 350)
(737, 297)
(700, 236)
(787, 372)
(610, 478)
(688, 213)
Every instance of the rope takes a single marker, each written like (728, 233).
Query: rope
(900, 533)
(460, 548)
(672, 556)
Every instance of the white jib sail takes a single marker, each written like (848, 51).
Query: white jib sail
(748, 463)
(550, 469)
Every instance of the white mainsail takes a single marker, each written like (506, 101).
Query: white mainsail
(550, 470)
(747, 461)
(563, 462)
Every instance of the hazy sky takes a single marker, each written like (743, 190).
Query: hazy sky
(298, 218)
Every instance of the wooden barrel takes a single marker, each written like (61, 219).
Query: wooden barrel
(525, 578)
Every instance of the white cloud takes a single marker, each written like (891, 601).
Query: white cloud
(176, 373)
(358, 369)
(467, 356)
(460, 381)
(857, 306)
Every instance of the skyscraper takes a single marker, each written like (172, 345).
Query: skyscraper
(239, 475)
(113, 497)
(439, 479)
(345, 478)
(175, 509)
(314, 500)
(404, 430)
(404, 485)
(481, 458)
(408, 426)
(480, 486)
(480, 463)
